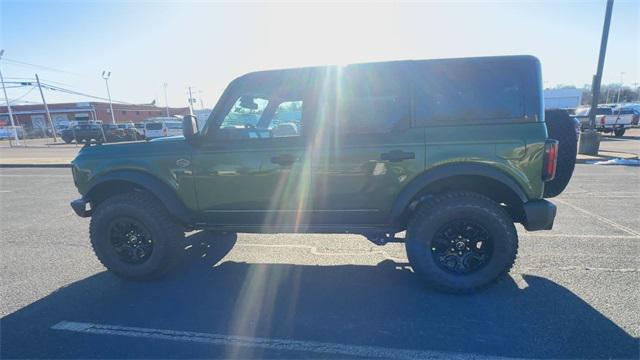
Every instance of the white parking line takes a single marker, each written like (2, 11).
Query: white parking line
(579, 236)
(338, 350)
(601, 218)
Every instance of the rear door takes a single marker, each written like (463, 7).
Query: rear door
(368, 149)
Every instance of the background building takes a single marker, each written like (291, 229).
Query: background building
(34, 115)
(562, 98)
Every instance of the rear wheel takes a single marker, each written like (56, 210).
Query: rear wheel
(461, 242)
(133, 236)
(619, 132)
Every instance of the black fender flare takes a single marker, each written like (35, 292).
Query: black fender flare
(403, 200)
(151, 183)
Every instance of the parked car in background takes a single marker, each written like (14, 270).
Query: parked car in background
(8, 132)
(130, 131)
(140, 129)
(161, 127)
(83, 131)
(87, 131)
(609, 119)
(634, 110)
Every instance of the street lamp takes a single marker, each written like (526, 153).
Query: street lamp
(620, 89)
(106, 75)
(166, 103)
(4, 89)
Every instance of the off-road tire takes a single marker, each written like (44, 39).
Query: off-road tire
(168, 237)
(560, 127)
(619, 132)
(441, 210)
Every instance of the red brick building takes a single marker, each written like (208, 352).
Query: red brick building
(34, 115)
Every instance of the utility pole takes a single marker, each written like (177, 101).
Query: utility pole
(190, 101)
(46, 109)
(590, 139)
(6, 98)
(106, 75)
(166, 102)
(201, 102)
(620, 89)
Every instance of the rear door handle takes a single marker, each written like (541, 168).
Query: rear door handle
(284, 159)
(397, 155)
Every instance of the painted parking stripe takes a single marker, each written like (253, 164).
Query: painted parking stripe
(256, 342)
(601, 218)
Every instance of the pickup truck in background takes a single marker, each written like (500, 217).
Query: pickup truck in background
(609, 119)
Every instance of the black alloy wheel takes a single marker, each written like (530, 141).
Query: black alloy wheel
(462, 247)
(131, 240)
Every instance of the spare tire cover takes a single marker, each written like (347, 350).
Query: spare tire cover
(560, 127)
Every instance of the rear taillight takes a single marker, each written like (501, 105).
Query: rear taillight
(550, 159)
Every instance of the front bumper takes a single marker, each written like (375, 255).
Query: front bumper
(79, 206)
(539, 215)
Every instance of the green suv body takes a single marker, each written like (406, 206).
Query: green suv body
(453, 151)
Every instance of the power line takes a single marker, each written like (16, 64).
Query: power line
(27, 79)
(47, 68)
(22, 96)
(73, 92)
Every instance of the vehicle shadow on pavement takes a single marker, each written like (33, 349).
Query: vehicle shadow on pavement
(384, 305)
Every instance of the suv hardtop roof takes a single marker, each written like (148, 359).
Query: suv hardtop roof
(283, 73)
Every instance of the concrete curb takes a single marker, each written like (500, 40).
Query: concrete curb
(7, 166)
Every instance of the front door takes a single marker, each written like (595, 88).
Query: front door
(252, 170)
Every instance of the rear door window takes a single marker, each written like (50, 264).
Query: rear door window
(154, 126)
(468, 92)
(373, 99)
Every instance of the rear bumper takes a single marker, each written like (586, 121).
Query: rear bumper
(79, 206)
(539, 215)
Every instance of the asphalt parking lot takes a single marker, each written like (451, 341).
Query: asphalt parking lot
(574, 292)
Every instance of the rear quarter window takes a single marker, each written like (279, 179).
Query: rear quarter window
(469, 92)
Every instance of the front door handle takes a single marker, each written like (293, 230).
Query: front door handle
(284, 159)
(397, 155)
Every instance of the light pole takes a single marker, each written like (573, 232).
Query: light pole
(190, 102)
(166, 102)
(106, 75)
(620, 89)
(6, 98)
(46, 109)
(590, 139)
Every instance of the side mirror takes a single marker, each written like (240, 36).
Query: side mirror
(189, 126)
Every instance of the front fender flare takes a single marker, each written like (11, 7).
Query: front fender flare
(151, 183)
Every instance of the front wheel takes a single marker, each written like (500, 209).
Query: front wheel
(133, 235)
(461, 242)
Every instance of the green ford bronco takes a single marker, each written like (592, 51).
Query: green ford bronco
(452, 152)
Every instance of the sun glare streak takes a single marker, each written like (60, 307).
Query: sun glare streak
(255, 312)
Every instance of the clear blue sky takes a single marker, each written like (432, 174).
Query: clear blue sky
(207, 44)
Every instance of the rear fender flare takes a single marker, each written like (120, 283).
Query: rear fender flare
(408, 194)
